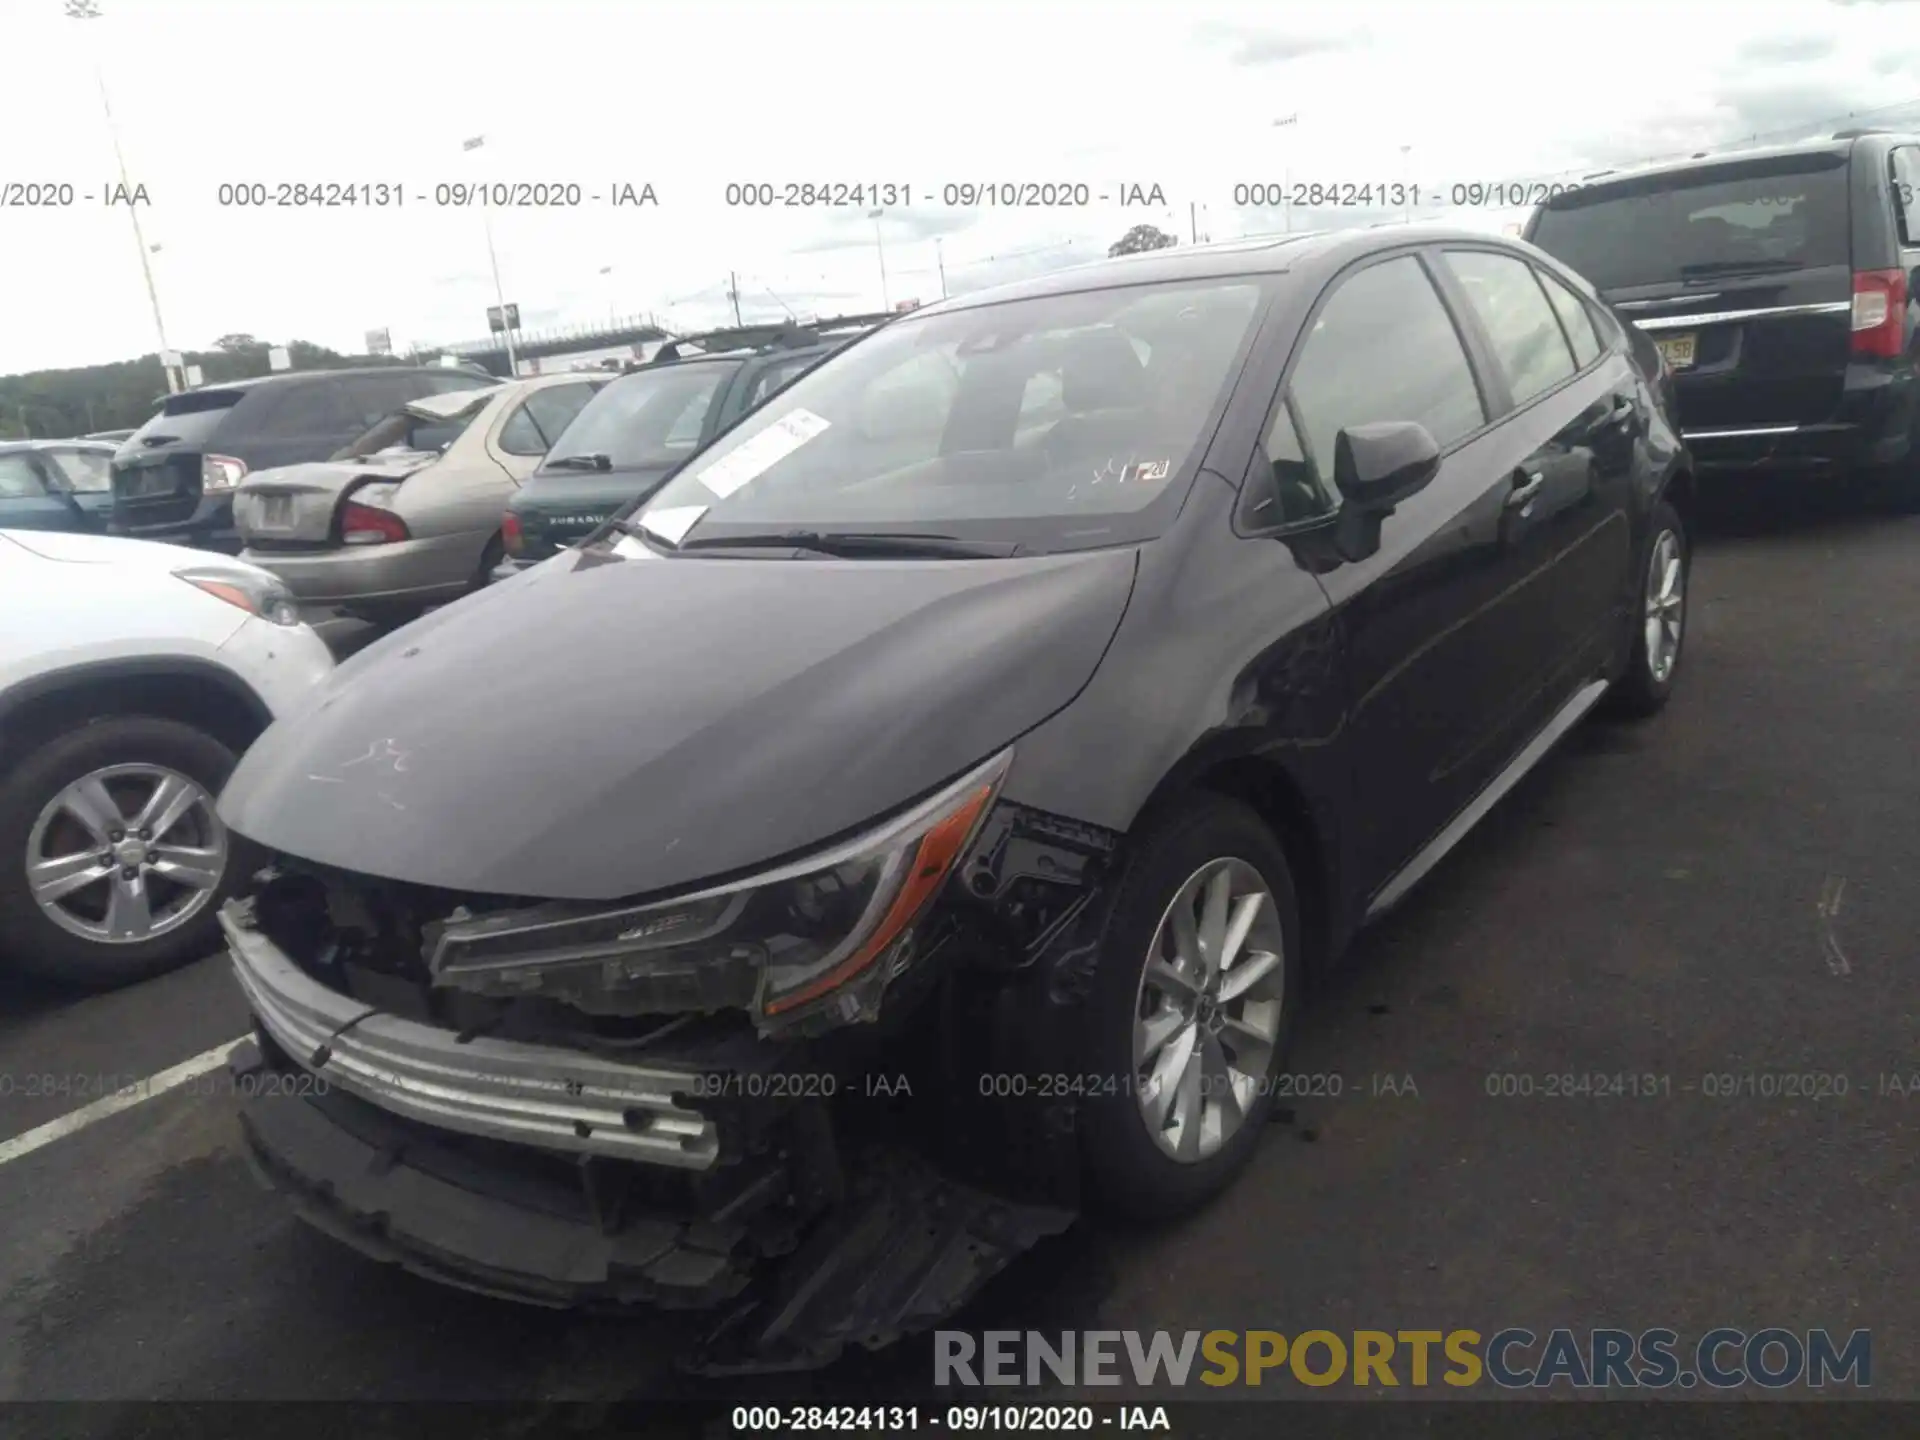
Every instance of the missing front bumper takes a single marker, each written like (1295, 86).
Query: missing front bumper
(904, 1247)
(550, 1176)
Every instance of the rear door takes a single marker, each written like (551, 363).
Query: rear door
(86, 476)
(1567, 529)
(30, 495)
(1740, 270)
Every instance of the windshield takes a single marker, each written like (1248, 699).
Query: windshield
(405, 431)
(1703, 222)
(649, 419)
(1041, 421)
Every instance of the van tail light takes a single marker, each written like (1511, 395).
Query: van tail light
(369, 525)
(220, 472)
(1880, 313)
(510, 536)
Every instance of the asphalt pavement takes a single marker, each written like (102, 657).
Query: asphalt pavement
(1724, 892)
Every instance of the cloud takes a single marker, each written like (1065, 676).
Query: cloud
(1787, 49)
(1248, 45)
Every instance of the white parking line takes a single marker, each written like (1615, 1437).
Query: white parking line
(120, 1100)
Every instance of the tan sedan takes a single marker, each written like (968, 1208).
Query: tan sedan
(408, 515)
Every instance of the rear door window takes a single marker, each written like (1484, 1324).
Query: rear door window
(1575, 318)
(86, 472)
(1782, 213)
(1518, 320)
(298, 409)
(19, 477)
(542, 418)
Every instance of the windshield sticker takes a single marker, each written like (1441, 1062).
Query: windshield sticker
(761, 453)
(672, 523)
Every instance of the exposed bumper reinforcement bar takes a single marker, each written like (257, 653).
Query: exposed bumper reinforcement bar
(501, 1089)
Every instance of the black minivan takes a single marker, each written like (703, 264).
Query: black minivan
(174, 477)
(1783, 289)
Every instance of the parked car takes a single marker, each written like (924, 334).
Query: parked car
(174, 478)
(638, 429)
(408, 515)
(1783, 288)
(146, 671)
(917, 821)
(55, 485)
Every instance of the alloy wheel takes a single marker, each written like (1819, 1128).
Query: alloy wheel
(1208, 1011)
(1666, 605)
(126, 853)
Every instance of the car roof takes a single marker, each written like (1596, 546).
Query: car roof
(1839, 148)
(1253, 255)
(81, 441)
(282, 377)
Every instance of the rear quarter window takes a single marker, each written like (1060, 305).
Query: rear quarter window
(1905, 164)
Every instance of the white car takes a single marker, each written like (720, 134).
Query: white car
(132, 677)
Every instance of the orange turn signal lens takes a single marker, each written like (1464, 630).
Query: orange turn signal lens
(933, 858)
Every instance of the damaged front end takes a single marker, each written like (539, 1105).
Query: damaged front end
(698, 1103)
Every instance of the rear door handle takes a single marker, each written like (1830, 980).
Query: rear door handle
(1526, 486)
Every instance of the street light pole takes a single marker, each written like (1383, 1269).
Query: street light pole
(493, 259)
(1286, 178)
(940, 259)
(89, 10)
(1406, 187)
(886, 302)
(613, 313)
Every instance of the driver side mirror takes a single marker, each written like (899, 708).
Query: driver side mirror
(1376, 467)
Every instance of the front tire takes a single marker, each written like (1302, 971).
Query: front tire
(1659, 619)
(1191, 1011)
(113, 861)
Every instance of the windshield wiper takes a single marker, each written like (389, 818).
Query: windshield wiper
(581, 462)
(1738, 267)
(879, 543)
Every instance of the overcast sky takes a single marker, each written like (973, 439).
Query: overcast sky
(688, 95)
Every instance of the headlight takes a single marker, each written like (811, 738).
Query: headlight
(826, 933)
(252, 591)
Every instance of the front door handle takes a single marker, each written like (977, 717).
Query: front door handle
(1527, 485)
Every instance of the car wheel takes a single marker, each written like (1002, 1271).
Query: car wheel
(1659, 619)
(1191, 1011)
(113, 862)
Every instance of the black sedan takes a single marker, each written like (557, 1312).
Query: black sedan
(918, 821)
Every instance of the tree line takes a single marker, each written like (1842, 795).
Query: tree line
(53, 404)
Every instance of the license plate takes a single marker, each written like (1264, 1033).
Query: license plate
(1677, 350)
(143, 483)
(276, 512)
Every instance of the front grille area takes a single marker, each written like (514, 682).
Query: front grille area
(156, 490)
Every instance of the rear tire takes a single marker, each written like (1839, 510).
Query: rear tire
(490, 557)
(123, 759)
(1658, 619)
(1133, 1161)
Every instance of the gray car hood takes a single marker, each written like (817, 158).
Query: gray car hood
(596, 729)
